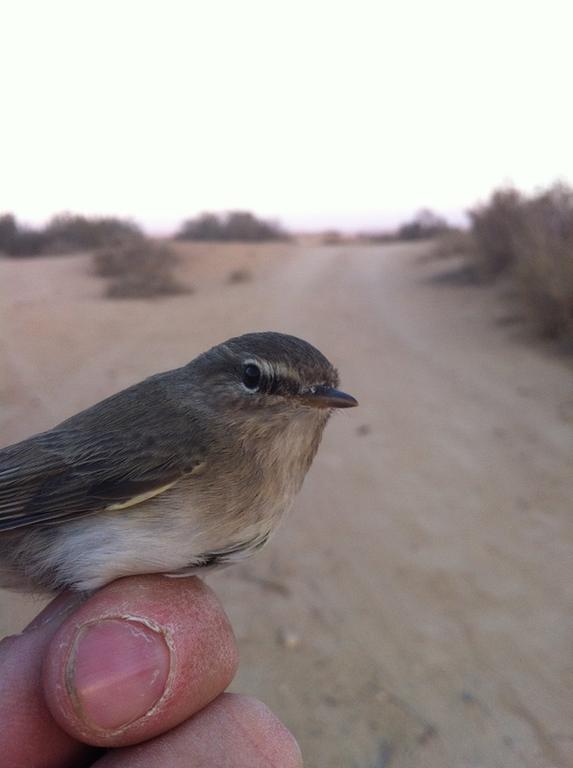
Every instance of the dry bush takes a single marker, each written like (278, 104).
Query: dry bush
(139, 270)
(544, 263)
(8, 231)
(454, 243)
(28, 242)
(18, 240)
(235, 226)
(424, 226)
(494, 227)
(206, 227)
(65, 233)
(531, 239)
(69, 232)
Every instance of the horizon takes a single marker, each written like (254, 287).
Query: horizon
(345, 224)
(314, 115)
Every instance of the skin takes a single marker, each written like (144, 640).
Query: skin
(64, 700)
(188, 469)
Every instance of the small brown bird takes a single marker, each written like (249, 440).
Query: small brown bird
(187, 470)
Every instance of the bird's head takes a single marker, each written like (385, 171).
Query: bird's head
(270, 374)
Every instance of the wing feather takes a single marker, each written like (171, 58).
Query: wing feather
(113, 455)
(64, 474)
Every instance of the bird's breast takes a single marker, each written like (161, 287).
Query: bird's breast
(243, 493)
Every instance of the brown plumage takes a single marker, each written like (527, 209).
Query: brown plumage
(189, 468)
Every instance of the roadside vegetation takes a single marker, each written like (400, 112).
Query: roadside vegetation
(141, 269)
(425, 225)
(235, 226)
(64, 233)
(133, 265)
(527, 239)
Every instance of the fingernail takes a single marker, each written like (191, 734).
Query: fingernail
(117, 672)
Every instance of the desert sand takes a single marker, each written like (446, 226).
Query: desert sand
(415, 608)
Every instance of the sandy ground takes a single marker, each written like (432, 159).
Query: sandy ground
(415, 609)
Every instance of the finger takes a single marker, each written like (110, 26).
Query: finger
(232, 732)
(29, 736)
(142, 655)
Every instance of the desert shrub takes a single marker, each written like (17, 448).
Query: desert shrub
(544, 260)
(425, 225)
(138, 269)
(64, 233)
(235, 226)
(454, 242)
(244, 226)
(28, 241)
(207, 226)
(8, 231)
(530, 239)
(494, 228)
(19, 240)
(71, 232)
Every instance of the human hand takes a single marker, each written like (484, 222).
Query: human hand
(133, 678)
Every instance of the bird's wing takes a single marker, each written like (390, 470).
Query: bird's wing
(67, 472)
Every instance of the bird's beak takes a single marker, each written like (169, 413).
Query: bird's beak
(327, 397)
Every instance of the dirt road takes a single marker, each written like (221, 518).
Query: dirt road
(415, 609)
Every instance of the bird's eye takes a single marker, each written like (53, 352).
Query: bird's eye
(252, 376)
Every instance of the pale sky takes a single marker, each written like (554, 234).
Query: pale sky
(350, 114)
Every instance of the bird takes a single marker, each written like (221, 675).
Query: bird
(188, 470)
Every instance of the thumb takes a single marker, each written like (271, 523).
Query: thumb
(139, 657)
